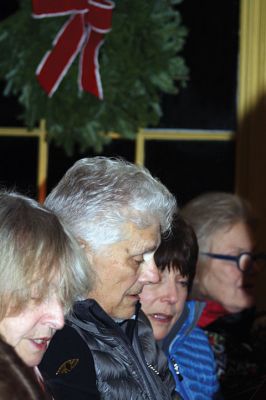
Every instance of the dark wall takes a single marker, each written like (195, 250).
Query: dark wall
(190, 168)
(211, 52)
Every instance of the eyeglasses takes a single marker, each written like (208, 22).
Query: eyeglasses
(244, 261)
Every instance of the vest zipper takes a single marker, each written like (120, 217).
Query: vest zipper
(176, 368)
(152, 390)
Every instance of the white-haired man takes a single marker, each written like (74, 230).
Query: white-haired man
(118, 212)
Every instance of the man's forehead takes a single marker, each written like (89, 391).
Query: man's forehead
(142, 240)
(147, 247)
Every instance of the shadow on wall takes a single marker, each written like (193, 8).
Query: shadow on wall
(251, 174)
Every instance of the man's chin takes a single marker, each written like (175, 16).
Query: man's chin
(127, 313)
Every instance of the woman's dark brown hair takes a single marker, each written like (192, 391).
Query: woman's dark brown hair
(179, 250)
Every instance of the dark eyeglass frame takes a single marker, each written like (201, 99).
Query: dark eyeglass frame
(236, 259)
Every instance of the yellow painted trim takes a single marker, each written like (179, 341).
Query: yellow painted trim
(140, 149)
(42, 168)
(176, 134)
(19, 132)
(42, 162)
(252, 55)
(173, 134)
(251, 90)
(141, 137)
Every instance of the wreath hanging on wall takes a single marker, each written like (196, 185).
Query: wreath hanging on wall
(138, 62)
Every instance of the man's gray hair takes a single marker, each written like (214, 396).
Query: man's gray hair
(97, 195)
(213, 211)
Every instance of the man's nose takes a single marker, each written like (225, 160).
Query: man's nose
(149, 272)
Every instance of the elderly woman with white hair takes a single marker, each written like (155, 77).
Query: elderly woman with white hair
(224, 288)
(43, 271)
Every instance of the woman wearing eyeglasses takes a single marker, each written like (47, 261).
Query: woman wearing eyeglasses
(224, 283)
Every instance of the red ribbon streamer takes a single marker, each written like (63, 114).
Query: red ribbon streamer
(82, 33)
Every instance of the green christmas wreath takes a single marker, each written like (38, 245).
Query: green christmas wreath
(138, 62)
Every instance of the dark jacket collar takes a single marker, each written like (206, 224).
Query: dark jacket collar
(88, 313)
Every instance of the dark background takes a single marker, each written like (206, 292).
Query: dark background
(208, 102)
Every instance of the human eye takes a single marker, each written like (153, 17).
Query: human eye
(138, 260)
(182, 282)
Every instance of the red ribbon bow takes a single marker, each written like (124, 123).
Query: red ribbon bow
(83, 32)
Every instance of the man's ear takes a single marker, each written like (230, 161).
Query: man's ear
(82, 243)
(86, 247)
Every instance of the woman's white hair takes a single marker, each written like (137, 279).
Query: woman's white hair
(208, 214)
(35, 248)
(213, 211)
